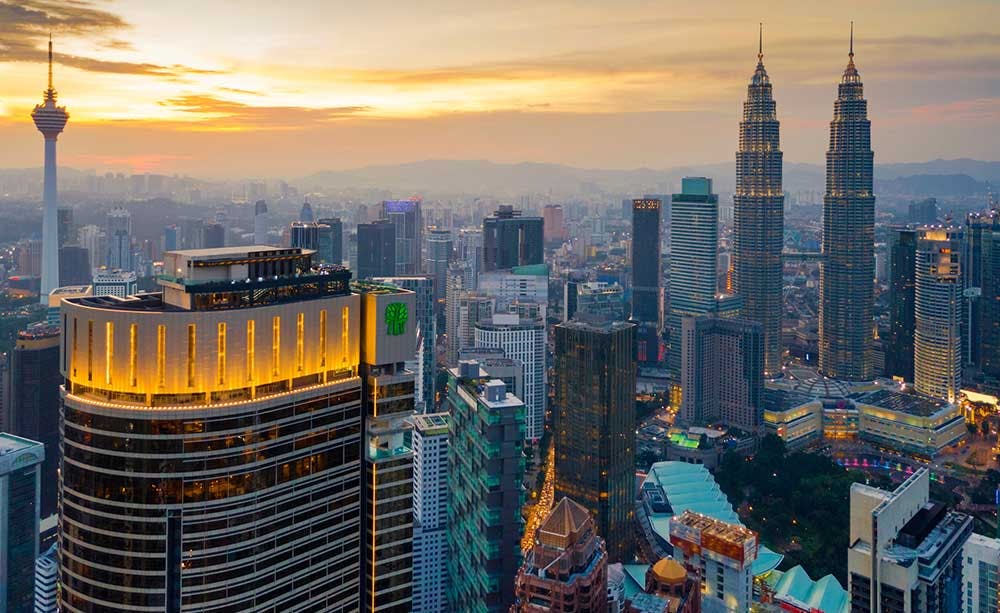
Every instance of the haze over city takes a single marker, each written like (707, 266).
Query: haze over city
(225, 89)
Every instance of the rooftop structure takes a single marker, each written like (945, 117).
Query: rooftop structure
(720, 554)
(795, 591)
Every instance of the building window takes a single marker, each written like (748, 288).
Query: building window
(322, 338)
(133, 354)
(275, 346)
(109, 350)
(90, 350)
(250, 348)
(300, 349)
(221, 353)
(161, 355)
(192, 342)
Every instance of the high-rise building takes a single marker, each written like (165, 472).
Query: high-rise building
(595, 425)
(29, 257)
(424, 358)
(430, 512)
(74, 265)
(566, 569)
(694, 228)
(119, 235)
(469, 249)
(330, 245)
(924, 212)
(171, 238)
(407, 220)
(34, 401)
(647, 275)
(259, 225)
(306, 213)
(486, 467)
(937, 305)
(905, 551)
(522, 339)
(555, 225)
(235, 436)
(47, 580)
(213, 236)
(463, 309)
(758, 215)
(388, 337)
(93, 239)
(510, 240)
(115, 283)
(518, 284)
(722, 372)
(982, 289)
(50, 121)
(980, 574)
(20, 479)
(376, 249)
(494, 364)
(304, 234)
(720, 554)
(67, 231)
(902, 284)
(439, 254)
(594, 299)
(847, 270)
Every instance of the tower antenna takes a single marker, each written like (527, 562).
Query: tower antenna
(760, 43)
(851, 54)
(50, 61)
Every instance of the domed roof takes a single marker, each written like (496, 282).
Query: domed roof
(669, 571)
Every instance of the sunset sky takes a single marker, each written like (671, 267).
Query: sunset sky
(218, 88)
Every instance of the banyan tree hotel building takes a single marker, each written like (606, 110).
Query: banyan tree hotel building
(211, 439)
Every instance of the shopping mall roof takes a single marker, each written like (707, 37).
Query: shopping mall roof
(796, 588)
(910, 403)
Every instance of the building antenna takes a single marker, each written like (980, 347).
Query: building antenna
(760, 43)
(50, 61)
(851, 54)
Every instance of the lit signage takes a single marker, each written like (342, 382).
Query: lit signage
(395, 318)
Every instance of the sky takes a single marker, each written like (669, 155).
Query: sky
(257, 88)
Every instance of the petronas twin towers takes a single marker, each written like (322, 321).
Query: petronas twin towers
(848, 264)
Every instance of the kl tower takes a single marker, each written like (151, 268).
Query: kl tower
(50, 121)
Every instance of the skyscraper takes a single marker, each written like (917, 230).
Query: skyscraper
(982, 290)
(430, 512)
(486, 466)
(231, 446)
(304, 234)
(407, 220)
(510, 239)
(522, 339)
(119, 233)
(566, 569)
(902, 281)
(469, 249)
(647, 278)
(937, 339)
(555, 226)
(20, 479)
(34, 401)
(306, 213)
(376, 250)
(694, 229)
(758, 215)
(847, 270)
(438, 258)
(213, 236)
(595, 425)
(424, 359)
(259, 225)
(50, 121)
(330, 245)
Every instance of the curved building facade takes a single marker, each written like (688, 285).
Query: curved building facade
(847, 272)
(211, 440)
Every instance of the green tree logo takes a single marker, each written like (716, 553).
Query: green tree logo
(395, 318)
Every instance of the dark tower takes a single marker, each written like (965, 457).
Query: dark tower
(758, 215)
(848, 269)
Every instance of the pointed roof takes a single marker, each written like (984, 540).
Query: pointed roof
(851, 72)
(760, 74)
(564, 520)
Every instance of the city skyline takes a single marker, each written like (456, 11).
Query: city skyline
(324, 97)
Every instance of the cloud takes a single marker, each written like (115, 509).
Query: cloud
(228, 114)
(26, 24)
(976, 109)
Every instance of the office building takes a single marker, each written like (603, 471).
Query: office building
(923, 212)
(486, 467)
(306, 213)
(67, 231)
(464, 312)
(388, 334)
(304, 235)
(847, 270)
(430, 512)
(938, 310)
(647, 274)
(594, 299)
(983, 290)
(555, 225)
(330, 242)
(5, 392)
(522, 339)
(902, 285)
(115, 283)
(405, 216)
(424, 359)
(438, 259)
(720, 554)
(694, 228)
(566, 568)
(980, 574)
(595, 425)
(213, 236)
(494, 364)
(93, 239)
(260, 223)
(119, 235)
(74, 265)
(376, 249)
(905, 552)
(518, 284)
(20, 479)
(171, 238)
(722, 372)
(34, 401)
(50, 121)
(225, 364)
(758, 215)
(510, 239)
(469, 249)
(47, 581)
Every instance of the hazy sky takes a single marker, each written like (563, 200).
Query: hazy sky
(265, 88)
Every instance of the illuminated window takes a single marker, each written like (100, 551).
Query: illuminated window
(133, 353)
(322, 338)
(275, 346)
(75, 344)
(161, 355)
(109, 350)
(250, 342)
(90, 350)
(345, 325)
(221, 354)
(192, 338)
(300, 330)
(65, 341)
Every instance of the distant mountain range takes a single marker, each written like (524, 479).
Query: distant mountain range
(935, 178)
